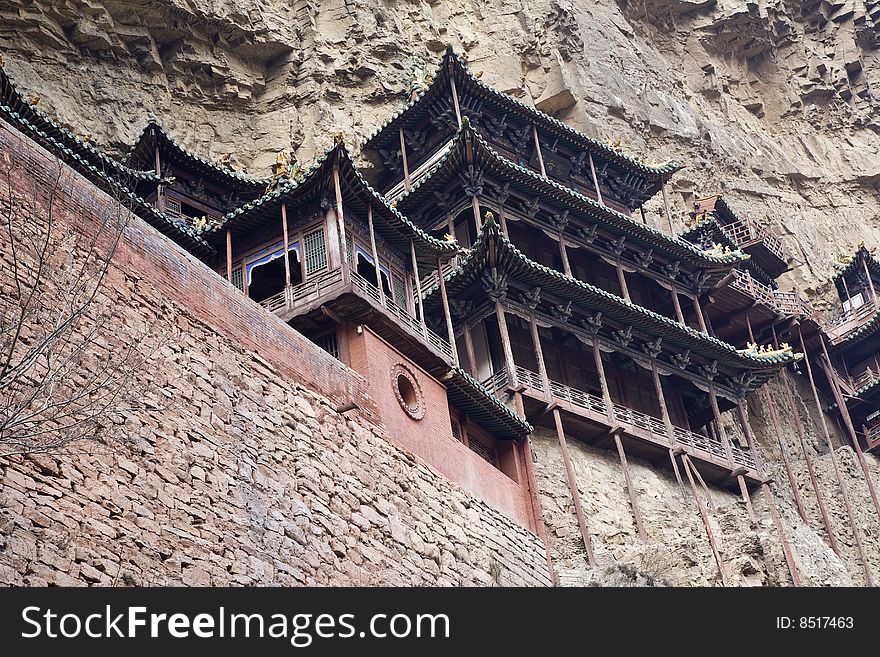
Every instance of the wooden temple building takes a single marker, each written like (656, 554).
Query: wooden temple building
(498, 274)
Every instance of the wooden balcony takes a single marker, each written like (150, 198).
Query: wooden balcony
(646, 435)
(842, 323)
(356, 300)
(872, 438)
(791, 304)
(865, 378)
(761, 244)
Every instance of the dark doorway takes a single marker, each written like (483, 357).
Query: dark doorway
(268, 278)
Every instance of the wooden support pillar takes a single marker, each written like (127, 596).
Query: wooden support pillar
(375, 253)
(573, 489)
(848, 423)
(418, 280)
(505, 344)
(846, 289)
(595, 180)
(469, 351)
(340, 224)
(478, 221)
(448, 315)
(286, 244)
(630, 489)
(687, 468)
(538, 149)
(450, 225)
(667, 421)
(698, 310)
(229, 255)
(566, 266)
(534, 496)
(722, 434)
(539, 353)
(502, 219)
(642, 213)
(406, 181)
(814, 482)
(603, 383)
(668, 209)
(455, 102)
(753, 448)
(621, 279)
(869, 577)
(676, 303)
(870, 280)
(160, 189)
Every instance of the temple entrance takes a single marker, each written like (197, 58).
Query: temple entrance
(266, 277)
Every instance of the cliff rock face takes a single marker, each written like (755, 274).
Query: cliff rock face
(772, 102)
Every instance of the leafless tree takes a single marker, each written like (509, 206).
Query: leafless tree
(65, 374)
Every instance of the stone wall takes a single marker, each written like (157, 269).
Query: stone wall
(235, 468)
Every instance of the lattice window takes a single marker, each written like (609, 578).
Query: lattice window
(238, 279)
(172, 205)
(315, 251)
(329, 343)
(399, 291)
(482, 449)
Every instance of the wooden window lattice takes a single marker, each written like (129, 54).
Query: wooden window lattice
(482, 449)
(315, 251)
(329, 343)
(238, 279)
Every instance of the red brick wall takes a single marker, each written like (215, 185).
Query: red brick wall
(431, 437)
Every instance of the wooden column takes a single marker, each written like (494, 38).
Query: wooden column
(448, 315)
(573, 489)
(677, 304)
(566, 267)
(534, 495)
(698, 310)
(722, 434)
(846, 288)
(160, 188)
(406, 181)
(668, 209)
(869, 577)
(539, 353)
(603, 383)
(505, 344)
(502, 219)
(595, 180)
(848, 423)
(450, 225)
(455, 102)
(870, 280)
(478, 221)
(415, 266)
(667, 420)
(375, 253)
(621, 279)
(538, 149)
(814, 482)
(340, 224)
(229, 256)
(469, 351)
(630, 489)
(286, 244)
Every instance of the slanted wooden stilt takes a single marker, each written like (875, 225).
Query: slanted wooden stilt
(446, 314)
(676, 303)
(698, 311)
(478, 221)
(469, 351)
(505, 344)
(630, 489)
(668, 209)
(375, 253)
(621, 279)
(455, 102)
(563, 251)
(705, 517)
(667, 422)
(870, 280)
(539, 354)
(603, 383)
(534, 495)
(160, 188)
(340, 224)
(869, 577)
(573, 489)
(538, 149)
(418, 280)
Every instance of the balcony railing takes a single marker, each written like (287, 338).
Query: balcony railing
(289, 296)
(791, 304)
(743, 281)
(746, 231)
(873, 436)
(655, 427)
(414, 325)
(842, 322)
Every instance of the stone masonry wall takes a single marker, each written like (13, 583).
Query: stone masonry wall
(236, 469)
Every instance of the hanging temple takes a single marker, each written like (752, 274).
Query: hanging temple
(497, 273)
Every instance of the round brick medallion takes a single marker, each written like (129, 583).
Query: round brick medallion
(408, 391)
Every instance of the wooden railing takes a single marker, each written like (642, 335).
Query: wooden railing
(791, 304)
(873, 436)
(746, 231)
(291, 295)
(842, 322)
(743, 281)
(407, 320)
(655, 427)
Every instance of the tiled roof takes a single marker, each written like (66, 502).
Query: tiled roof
(508, 257)
(473, 398)
(568, 198)
(543, 120)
